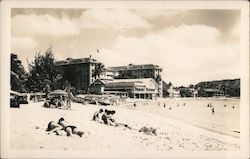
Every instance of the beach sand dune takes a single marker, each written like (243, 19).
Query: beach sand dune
(28, 125)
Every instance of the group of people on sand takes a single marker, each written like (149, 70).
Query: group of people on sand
(106, 117)
(209, 105)
(63, 102)
(62, 127)
(226, 106)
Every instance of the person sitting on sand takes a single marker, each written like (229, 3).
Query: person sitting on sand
(97, 116)
(110, 113)
(46, 104)
(107, 117)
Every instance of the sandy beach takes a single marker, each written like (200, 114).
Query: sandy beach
(191, 127)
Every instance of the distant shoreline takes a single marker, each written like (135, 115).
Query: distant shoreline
(229, 98)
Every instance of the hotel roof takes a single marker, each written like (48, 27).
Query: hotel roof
(126, 82)
(135, 67)
(70, 61)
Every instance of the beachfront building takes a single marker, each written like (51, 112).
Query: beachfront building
(143, 88)
(209, 92)
(79, 72)
(132, 71)
(174, 92)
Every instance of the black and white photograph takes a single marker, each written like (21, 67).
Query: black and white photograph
(138, 78)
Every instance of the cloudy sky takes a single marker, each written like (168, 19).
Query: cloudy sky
(190, 45)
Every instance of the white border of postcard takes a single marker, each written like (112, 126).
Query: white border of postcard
(6, 6)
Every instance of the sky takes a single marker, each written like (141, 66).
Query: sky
(190, 45)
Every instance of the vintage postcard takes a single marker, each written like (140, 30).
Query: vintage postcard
(124, 79)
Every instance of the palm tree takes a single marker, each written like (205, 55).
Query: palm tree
(99, 68)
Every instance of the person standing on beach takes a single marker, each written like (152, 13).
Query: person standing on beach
(212, 110)
(134, 104)
(69, 98)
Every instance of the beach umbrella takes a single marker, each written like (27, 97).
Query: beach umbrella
(58, 92)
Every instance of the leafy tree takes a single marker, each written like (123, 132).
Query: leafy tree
(191, 86)
(18, 74)
(185, 92)
(230, 88)
(165, 88)
(43, 73)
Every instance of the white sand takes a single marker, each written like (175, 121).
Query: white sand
(28, 126)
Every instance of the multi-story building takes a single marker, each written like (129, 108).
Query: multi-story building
(79, 72)
(139, 71)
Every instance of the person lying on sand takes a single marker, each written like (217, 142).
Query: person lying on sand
(69, 129)
(54, 127)
(148, 131)
(63, 127)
